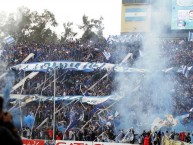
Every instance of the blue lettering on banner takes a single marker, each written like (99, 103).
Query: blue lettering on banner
(102, 66)
(90, 66)
(35, 67)
(45, 66)
(27, 66)
(71, 64)
(62, 65)
(95, 65)
(77, 65)
(65, 65)
(54, 65)
(85, 65)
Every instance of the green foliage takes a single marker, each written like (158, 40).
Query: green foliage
(68, 32)
(93, 29)
(28, 26)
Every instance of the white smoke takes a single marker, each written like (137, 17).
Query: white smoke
(147, 96)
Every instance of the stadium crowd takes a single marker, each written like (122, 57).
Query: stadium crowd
(90, 126)
(68, 83)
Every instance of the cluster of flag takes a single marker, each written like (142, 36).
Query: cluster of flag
(158, 123)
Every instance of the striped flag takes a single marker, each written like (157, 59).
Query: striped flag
(9, 40)
(190, 36)
(135, 14)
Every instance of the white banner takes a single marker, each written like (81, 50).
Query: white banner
(83, 66)
(44, 66)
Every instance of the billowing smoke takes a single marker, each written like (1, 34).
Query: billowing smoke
(9, 81)
(7, 76)
(148, 95)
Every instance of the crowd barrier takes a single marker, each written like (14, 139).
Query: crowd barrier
(66, 142)
(167, 141)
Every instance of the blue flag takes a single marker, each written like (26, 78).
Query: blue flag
(73, 120)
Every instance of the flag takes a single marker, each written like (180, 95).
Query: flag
(102, 120)
(135, 14)
(185, 70)
(97, 108)
(116, 114)
(157, 124)
(73, 120)
(190, 36)
(81, 118)
(106, 54)
(109, 115)
(172, 120)
(60, 127)
(9, 40)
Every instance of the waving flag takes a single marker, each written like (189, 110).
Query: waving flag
(135, 14)
(168, 121)
(72, 123)
(190, 36)
(9, 40)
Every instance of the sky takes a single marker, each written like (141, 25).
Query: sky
(73, 10)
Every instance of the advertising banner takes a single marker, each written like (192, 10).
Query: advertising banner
(32, 142)
(60, 142)
(67, 142)
(182, 15)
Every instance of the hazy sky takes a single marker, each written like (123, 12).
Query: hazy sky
(73, 10)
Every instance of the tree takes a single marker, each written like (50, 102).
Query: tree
(30, 26)
(41, 29)
(68, 32)
(92, 29)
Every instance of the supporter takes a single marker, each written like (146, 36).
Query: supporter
(188, 138)
(8, 134)
(182, 136)
(72, 83)
(167, 134)
(71, 134)
(147, 139)
(155, 138)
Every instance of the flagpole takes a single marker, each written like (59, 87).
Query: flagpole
(21, 120)
(54, 118)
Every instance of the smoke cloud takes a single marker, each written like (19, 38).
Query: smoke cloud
(147, 96)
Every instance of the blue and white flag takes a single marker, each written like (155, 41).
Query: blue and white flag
(9, 40)
(135, 14)
(106, 54)
(73, 120)
(186, 70)
(190, 36)
(102, 120)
